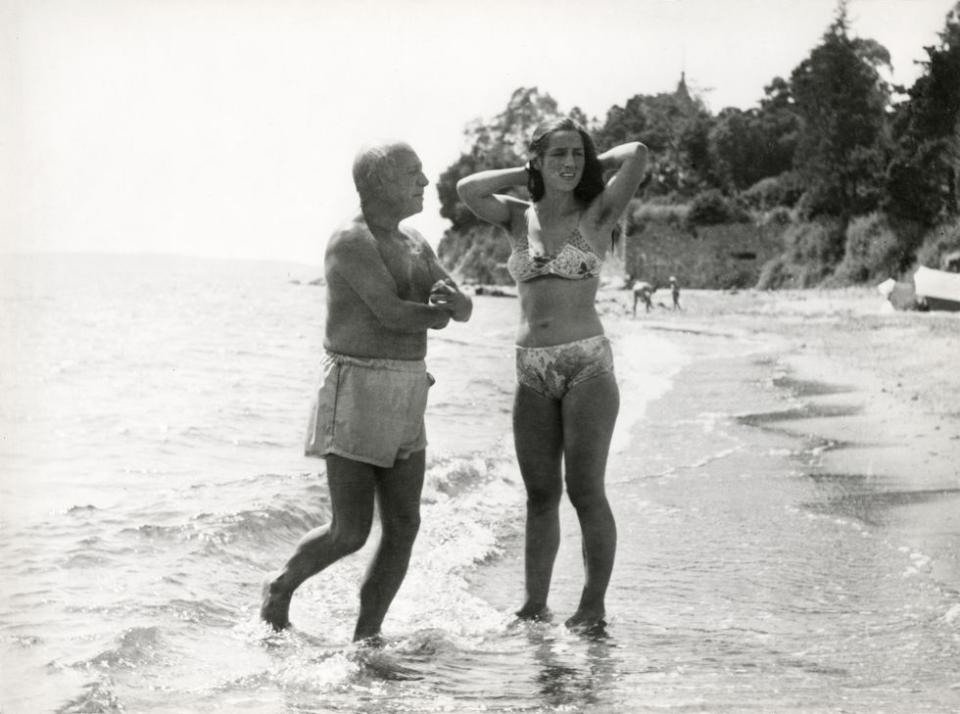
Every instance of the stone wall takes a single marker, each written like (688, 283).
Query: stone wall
(724, 256)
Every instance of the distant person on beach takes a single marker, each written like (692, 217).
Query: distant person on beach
(675, 293)
(567, 398)
(642, 292)
(385, 289)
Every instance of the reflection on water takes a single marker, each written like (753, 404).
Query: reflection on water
(579, 676)
(158, 477)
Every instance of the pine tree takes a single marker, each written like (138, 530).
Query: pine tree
(841, 99)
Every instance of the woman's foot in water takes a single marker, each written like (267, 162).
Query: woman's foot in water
(588, 622)
(275, 604)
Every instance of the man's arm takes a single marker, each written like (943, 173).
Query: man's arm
(352, 256)
(445, 293)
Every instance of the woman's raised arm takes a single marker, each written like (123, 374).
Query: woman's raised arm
(630, 161)
(479, 192)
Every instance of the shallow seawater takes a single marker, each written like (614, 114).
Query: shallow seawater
(152, 475)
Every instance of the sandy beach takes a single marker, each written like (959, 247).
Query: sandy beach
(901, 369)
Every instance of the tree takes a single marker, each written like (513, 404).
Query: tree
(511, 129)
(496, 144)
(779, 128)
(841, 100)
(922, 177)
(675, 127)
(733, 144)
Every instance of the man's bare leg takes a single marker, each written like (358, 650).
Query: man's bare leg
(352, 488)
(398, 494)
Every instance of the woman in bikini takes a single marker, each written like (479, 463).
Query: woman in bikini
(567, 398)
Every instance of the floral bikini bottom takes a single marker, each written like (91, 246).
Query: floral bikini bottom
(553, 371)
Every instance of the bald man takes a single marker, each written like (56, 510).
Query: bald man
(385, 289)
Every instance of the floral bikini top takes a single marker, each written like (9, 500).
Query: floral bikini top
(577, 259)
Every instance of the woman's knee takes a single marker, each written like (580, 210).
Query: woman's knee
(587, 497)
(542, 498)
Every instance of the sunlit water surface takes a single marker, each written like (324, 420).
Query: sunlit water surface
(152, 419)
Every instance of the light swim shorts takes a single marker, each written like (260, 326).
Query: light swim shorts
(553, 371)
(369, 409)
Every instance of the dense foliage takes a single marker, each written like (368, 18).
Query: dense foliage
(922, 177)
(841, 100)
(864, 177)
(498, 144)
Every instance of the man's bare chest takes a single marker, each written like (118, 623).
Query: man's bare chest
(409, 264)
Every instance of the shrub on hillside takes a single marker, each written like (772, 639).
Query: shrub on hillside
(640, 214)
(478, 254)
(874, 251)
(777, 216)
(940, 242)
(711, 207)
(773, 191)
(708, 208)
(451, 248)
(811, 251)
(774, 274)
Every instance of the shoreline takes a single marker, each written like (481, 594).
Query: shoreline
(881, 395)
(900, 366)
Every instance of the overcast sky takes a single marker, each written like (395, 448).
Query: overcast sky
(228, 127)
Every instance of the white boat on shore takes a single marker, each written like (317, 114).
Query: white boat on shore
(938, 289)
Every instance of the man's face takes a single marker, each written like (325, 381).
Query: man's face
(403, 188)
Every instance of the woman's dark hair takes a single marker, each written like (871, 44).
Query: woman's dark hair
(591, 182)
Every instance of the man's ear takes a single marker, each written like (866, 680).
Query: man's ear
(381, 180)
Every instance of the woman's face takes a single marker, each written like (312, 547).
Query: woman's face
(562, 162)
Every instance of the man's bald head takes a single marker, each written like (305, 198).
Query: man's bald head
(376, 163)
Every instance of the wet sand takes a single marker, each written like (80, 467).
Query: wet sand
(902, 367)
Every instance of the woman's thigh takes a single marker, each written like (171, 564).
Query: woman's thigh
(589, 416)
(538, 439)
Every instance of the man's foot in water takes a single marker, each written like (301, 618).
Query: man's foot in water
(534, 613)
(275, 605)
(371, 642)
